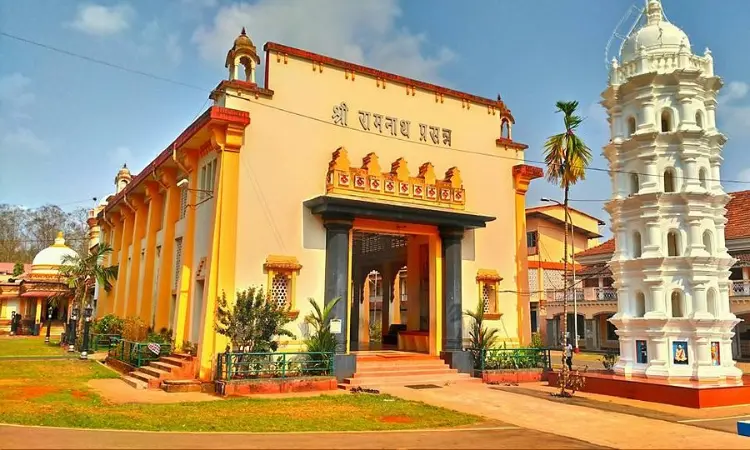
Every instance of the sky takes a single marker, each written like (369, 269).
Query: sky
(67, 124)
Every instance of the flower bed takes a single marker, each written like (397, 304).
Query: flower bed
(514, 375)
(275, 385)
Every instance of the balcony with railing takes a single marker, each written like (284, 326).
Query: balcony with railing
(739, 288)
(587, 294)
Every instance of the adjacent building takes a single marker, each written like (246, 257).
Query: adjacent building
(307, 186)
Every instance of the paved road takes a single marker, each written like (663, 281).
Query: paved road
(13, 437)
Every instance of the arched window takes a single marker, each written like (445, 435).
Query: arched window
(699, 119)
(669, 181)
(634, 184)
(673, 244)
(677, 305)
(637, 247)
(631, 125)
(640, 305)
(708, 242)
(702, 177)
(666, 121)
(712, 302)
(505, 129)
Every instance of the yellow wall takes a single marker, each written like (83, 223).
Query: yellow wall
(551, 240)
(285, 157)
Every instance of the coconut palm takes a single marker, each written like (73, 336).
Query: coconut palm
(567, 158)
(80, 273)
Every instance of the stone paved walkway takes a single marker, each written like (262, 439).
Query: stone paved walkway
(13, 437)
(591, 425)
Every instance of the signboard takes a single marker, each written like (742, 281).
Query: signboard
(391, 126)
(335, 326)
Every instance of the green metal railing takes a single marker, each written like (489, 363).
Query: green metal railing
(239, 366)
(138, 354)
(511, 358)
(103, 341)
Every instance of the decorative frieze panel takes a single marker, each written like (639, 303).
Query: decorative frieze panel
(397, 185)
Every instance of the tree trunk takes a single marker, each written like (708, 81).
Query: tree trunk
(564, 371)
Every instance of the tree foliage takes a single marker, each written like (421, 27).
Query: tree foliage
(481, 338)
(25, 232)
(82, 273)
(17, 269)
(252, 322)
(320, 338)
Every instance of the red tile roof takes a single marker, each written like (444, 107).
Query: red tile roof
(7, 267)
(738, 224)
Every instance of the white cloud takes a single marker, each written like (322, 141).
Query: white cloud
(14, 91)
(735, 90)
(360, 32)
(744, 175)
(22, 140)
(201, 3)
(154, 40)
(98, 20)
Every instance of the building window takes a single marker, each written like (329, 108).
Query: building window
(640, 304)
(677, 305)
(183, 203)
(666, 121)
(702, 178)
(532, 238)
(488, 282)
(699, 119)
(631, 126)
(207, 179)
(634, 184)
(669, 181)
(403, 287)
(673, 244)
(611, 331)
(708, 242)
(282, 274)
(177, 261)
(637, 246)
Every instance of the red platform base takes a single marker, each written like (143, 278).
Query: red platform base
(687, 394)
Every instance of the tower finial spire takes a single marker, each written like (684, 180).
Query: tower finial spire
(243, 33)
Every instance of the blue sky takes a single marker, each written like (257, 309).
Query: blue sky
(66, 125)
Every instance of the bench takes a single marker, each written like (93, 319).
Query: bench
(414, 341)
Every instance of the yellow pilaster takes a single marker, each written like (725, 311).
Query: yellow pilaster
(436, 294)
(155, 202)
(139, 230)
(118, 306)
(522, 176)
(220, 277)
(185, 283)
(171, 201)
(108, 305)
(103, 300)
(38, 310)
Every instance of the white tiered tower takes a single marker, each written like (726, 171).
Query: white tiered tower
(671, 266)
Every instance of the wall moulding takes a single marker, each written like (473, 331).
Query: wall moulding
(397, 185)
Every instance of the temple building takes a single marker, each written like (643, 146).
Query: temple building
(670, 262)
(332, 180)
(29, 294)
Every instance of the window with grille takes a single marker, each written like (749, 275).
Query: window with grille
(280, 287)
(183, 203)
(486, 293)
(207, 179)
(177, 261)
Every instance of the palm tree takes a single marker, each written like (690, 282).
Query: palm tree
(481, 338)
(567, 158)
(81, 272)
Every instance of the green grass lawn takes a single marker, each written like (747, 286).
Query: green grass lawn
(55, 393)
(28, 346)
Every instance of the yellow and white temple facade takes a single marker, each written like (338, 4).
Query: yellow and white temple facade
(307, 186)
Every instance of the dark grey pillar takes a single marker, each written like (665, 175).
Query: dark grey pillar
(453, 352)
(337, 273)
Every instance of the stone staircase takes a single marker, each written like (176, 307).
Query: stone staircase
(175, 369)
(402, 369)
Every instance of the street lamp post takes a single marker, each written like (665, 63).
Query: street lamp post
(86, 324)
(49, 323)
(573, 259)
(73, 324)
(13, 323)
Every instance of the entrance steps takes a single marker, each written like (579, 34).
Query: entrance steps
(175, 367)
(402, 369)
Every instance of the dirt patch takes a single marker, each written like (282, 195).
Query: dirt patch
(79, 394)
(396, 419)
(32, 392)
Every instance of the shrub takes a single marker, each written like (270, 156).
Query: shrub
(536, 340)
(109, 324)
(134, 329)
(481, 338)
(321, 340)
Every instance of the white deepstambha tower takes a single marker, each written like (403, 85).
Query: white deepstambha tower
(671, 266)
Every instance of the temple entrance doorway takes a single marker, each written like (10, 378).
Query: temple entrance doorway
(394, 290)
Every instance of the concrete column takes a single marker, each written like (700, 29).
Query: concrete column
(658, 307)
(452, 289)
(337, 274)
(687, 114)
(692, 183)
(139, 230)
(658, 354)
(647, 124)
(652, 247)
(387, 280)
(651, 181)
(153, 224)
(721, 244)
(695, 245)
(118, 307)
(163, 294)
(702, 354)
(700, 302)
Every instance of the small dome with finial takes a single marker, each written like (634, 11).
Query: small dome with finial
(52, 257)
(243, 46)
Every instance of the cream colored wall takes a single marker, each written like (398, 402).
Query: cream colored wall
(551, 240)
(285, 157)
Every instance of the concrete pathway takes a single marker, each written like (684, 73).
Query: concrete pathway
(16, 437)
(598, 427)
